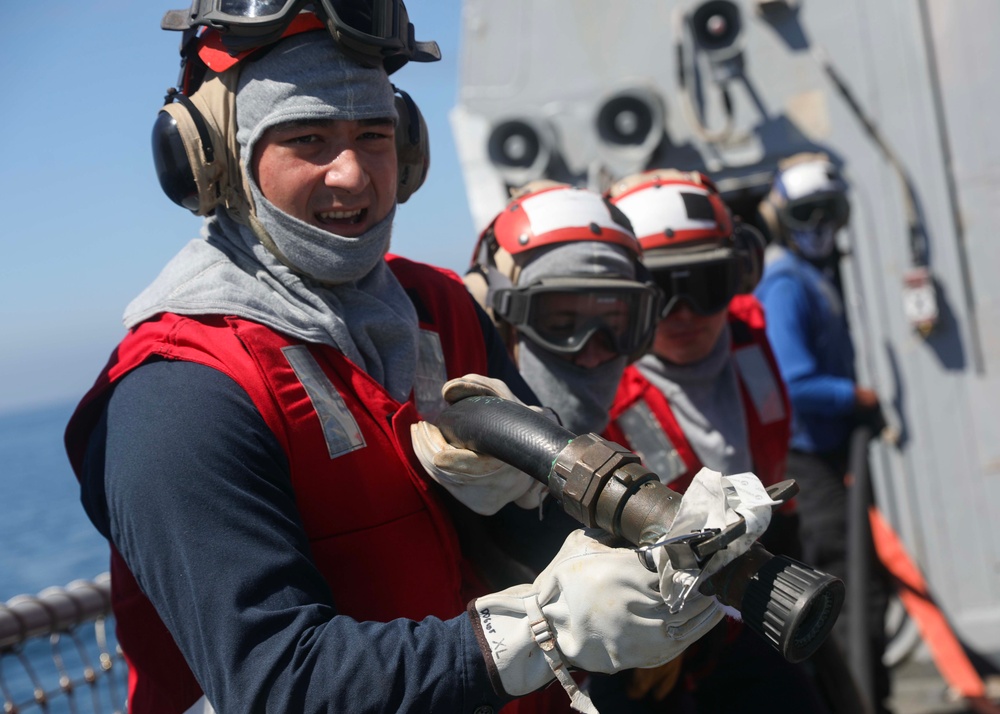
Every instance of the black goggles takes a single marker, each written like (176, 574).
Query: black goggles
(563, 314)
(809, 213)
(377, 30)
(706, 287)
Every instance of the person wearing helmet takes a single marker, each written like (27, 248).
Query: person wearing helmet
(276, 545)
(808, 328)
(559, 271)
(707, 394)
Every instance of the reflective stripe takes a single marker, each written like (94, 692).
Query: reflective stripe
(648, 440)
(430, 376)
(201, 706)
(340, 430)
(760, 383)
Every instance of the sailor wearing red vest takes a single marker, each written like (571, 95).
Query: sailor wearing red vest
(707, 394)
(275, 545)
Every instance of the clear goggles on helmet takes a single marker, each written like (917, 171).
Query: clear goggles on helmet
(375, 29)
(705, 286)
(563, 314)
(807, 214)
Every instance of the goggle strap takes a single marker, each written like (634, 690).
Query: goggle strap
(511, 305)
(500, 302)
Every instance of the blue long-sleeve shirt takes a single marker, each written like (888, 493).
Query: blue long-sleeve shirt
(227, 564)
(808, 331)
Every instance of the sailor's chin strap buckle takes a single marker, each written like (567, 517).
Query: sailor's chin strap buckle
(546, 640)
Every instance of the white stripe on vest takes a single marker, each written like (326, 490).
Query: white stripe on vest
(202, 706)
(648, 440)
(430, 376)
(760, 383)
(340, 430)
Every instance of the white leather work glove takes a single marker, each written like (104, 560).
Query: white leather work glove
(481, 482)
(716, 501)
(594, 607)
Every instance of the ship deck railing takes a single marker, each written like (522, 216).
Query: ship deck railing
(58, 652)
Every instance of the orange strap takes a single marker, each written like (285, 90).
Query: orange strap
(947, 652)
(216, 57)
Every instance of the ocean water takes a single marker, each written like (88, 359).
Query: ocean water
(45, 536)
(46, 540)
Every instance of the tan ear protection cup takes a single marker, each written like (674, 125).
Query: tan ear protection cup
(413, 151)
(478, 286)
(190, 176)
(205, 124)
(492, 267)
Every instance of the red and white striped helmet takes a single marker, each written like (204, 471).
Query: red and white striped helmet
(681, 221)
(545, 213)
(673, 209)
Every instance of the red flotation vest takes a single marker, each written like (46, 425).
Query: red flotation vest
(358, 486)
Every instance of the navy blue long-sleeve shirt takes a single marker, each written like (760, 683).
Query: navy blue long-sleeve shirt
(184, 477)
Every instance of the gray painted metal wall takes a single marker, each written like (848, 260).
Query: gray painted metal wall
(923, 71)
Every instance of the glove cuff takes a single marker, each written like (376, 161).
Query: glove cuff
(513, 658)
(520, 647)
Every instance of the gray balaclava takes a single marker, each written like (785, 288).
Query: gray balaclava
(287, 85)
(582, 397)
(324, 288)
(705, 398)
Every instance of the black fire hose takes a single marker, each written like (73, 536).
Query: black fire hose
(601, 484)
(859, 563)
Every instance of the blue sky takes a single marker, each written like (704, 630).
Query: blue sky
(85, 225)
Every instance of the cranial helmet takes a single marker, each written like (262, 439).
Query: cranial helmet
(554, 241)
(691, 245)
(545, 213)
(807, 205)
(194, 137)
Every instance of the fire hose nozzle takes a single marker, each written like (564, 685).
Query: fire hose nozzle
(791, 605)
